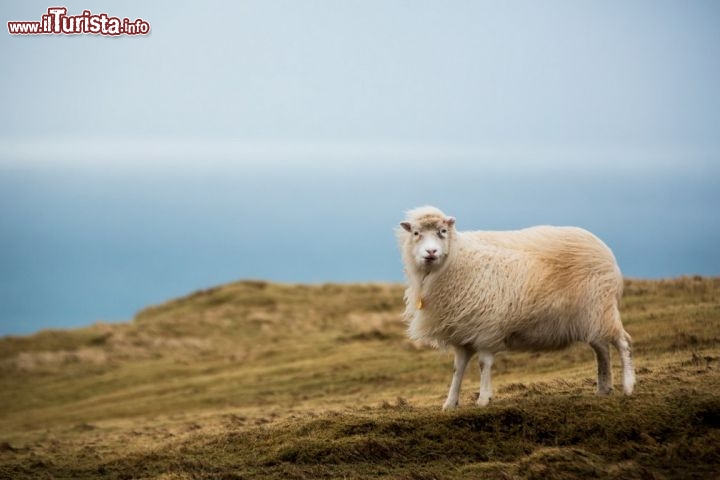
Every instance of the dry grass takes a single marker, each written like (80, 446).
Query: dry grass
(261, 380)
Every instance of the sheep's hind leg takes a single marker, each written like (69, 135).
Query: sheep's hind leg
(622, 343)
(462, 357)
(604, 367)
(486, 360)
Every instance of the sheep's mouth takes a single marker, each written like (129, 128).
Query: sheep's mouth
(430, 258)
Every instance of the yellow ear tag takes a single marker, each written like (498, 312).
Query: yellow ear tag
(419, 304)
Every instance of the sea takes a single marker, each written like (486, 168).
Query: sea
(86, 243)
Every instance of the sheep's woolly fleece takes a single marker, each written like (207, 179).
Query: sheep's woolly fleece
(537, 288)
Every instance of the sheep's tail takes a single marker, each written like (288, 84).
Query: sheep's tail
(620, 285)
(627, 336)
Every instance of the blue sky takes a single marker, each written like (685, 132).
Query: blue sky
(587, 75)
(284, 140)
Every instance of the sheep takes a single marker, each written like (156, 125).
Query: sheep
(539, 288)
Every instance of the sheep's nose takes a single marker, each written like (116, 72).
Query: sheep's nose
(431, 251)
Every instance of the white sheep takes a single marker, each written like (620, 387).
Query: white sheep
(540, 288)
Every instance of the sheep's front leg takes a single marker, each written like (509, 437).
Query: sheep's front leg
(486, 360)
(462, 357)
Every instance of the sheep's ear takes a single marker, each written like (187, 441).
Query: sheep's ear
(450, 221)
(406, 226)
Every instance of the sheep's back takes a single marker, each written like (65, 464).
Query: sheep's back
(562, 253)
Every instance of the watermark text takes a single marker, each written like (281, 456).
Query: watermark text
(57, 22)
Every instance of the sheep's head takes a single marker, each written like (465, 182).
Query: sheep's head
(426, 237)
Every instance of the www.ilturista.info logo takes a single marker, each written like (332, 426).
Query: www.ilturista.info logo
(57, 21)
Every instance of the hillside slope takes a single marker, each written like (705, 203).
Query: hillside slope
(261, 380)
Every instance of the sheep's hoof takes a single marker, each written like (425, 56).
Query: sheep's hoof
(483, 401)
(450, 406)
(604, 391)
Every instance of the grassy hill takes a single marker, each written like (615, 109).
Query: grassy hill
(262, 380)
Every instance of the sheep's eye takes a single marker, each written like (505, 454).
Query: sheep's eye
(443, 231)
(416, 233)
